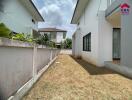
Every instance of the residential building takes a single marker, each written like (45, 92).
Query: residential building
(20, 16)
(55, 35)
(104, 33)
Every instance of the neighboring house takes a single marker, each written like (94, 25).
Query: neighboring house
(104, 33)
(55, 35)
(20, 16)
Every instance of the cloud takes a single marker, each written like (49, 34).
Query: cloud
(70, 29)
(57, 13)
(52, 14)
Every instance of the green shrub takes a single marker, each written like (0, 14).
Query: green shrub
(29, 38)
(51, 44)
(67, 44)
(4, 31)
(42, 40)
(20, 37)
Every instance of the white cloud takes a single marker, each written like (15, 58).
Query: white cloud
(51, 14)
(57, 13)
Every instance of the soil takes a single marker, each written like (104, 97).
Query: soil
(74, 79)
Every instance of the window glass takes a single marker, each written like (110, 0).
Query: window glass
(87, 42)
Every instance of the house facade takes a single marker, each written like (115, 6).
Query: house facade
(55, 35)
(20, 16)
(103, 36)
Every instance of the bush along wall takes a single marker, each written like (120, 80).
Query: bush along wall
(4, 31)
(41, 40)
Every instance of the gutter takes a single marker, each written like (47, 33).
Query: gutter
(52, 31)
(74, 11)
(112, 11)
(36, 9)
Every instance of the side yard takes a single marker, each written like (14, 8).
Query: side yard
(75, 79)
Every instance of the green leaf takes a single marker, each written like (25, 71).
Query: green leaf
(4, 31)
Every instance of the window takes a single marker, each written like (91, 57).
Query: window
(87, 42)
(53, 35)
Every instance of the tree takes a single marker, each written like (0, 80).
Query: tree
(4, 30)
(67, 44)
(43, 40)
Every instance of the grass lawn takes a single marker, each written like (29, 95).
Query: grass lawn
(74, 79)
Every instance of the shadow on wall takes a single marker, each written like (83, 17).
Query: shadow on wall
(92, 69)
(1, 5)
(1, 94)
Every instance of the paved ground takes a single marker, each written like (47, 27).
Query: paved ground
(73, 79)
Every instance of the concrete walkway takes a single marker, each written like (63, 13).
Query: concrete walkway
(73, 79)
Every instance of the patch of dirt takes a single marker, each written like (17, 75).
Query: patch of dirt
(74, 79)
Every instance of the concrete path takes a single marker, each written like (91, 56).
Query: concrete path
(73, 79)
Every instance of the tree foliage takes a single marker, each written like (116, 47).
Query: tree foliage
(67, 44)
(4, 30)
(41, 40)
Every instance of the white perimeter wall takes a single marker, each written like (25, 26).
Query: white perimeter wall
(17, 17)
(19, 62)
(16, 69)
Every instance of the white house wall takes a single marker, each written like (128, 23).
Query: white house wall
(105, 39)
(77, 44)
(42, 33)
(89, 22)
(59, 37)
(16, 17)
(126, 38)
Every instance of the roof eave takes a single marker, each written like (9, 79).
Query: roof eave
(74, 12)
(79, 9)
(42, 19)
(30, 6)
(51, 31)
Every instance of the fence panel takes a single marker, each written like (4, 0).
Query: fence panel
(43, 58)
(16, 66)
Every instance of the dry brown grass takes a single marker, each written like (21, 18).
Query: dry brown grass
(73, 79)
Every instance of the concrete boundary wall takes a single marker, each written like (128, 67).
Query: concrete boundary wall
(43, 58)
(21, 64)
(66, 51)
(25, 88)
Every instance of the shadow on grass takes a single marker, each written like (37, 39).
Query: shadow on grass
(92, 69)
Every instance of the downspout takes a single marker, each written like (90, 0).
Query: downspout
(99, 6)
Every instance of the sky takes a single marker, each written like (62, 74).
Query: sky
(57, 14)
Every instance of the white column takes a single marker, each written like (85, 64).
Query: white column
(51, 55)
(34, 60)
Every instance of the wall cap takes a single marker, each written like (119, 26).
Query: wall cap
(5, 42)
